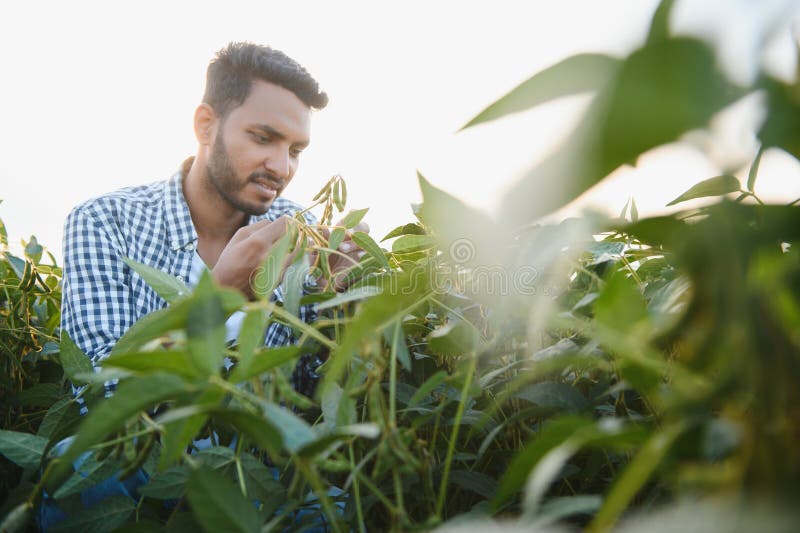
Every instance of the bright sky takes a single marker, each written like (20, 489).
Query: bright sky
(100, 95)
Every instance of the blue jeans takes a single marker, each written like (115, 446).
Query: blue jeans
(49, 514)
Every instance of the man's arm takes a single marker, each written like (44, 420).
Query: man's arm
(96, 307)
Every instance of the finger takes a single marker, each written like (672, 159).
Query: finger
(245, 231)
(270, 233)
(361, 226)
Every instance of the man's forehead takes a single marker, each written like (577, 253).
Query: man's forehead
(276, 110)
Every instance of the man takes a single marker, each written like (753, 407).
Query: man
(222, 210)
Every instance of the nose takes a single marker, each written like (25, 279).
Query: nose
(279, 163)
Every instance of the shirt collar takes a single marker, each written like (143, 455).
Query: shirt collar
(180, 229)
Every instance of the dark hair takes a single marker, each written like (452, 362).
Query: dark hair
(234, 68)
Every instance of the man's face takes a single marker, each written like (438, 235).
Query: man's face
(257, 147)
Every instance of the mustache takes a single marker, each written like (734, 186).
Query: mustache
(267, 176)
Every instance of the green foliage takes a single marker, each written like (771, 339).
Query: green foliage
(638, 361)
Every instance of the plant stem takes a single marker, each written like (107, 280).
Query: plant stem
(321, 493)
(238, 461)
(398, 493)
(454, 435)
(393, 377)
(125, 438)
(357, 494)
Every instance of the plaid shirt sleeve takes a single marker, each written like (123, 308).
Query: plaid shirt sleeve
(97, 305)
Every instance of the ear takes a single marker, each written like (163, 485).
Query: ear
(205, 120)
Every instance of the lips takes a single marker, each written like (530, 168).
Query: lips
(268, 188)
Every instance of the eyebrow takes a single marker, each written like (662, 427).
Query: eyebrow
(275, 133)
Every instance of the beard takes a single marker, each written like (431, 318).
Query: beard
(222, 176)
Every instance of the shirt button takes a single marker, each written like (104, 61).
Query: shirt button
(176, 244)
(179, 278)
(189, 247)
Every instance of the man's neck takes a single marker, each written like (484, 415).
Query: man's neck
(215, 220)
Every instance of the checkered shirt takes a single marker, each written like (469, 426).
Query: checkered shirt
(151, 224)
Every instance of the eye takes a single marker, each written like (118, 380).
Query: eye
(296, 152)
(260, 138)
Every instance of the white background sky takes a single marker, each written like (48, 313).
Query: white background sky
(100, 95)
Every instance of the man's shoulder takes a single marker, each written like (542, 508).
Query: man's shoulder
(125, 200)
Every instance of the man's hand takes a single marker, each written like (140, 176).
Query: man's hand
(349, 254)
(246, 252)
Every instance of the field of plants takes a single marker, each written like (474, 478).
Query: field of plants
(480, 373)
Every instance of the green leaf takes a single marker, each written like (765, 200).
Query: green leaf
(251, 336)
(555, 395)
(293, 284)
(269, 274)
(260, 481)
(218, 505)
(406, 292)
(753, 174)
(398, 345)
(205, 328)
(166, 485)
(620, 305)
(60, 419)
(660, 92)
(338, 409)
(366, 243)
(181, 432)
(112, 513)
(636, 475)
(173, 361)
(73, 360)
(659, 26)
(337, 237)
(426, 388)
(557, 509)
(548, 468)
(3, 234)
(782, 125)
(354, 217)
(19, 518)
(574, 75)
(412, 243)
(341, 433)
(624, 209)
(294, 431)
(265, 432)
(407, 229)
(152, 326)
(356, 293)
(454, 338)
(219, 458)
(22, 449)
(90, 473)
(634, 211)
(166, 285)
(263, 361)
(550, 436)
(33, 250)
(131, 397)
(716, 186)
(40, 395)
(473, 481)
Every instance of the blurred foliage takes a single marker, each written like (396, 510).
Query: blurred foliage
(480, 373)
(31, 379)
